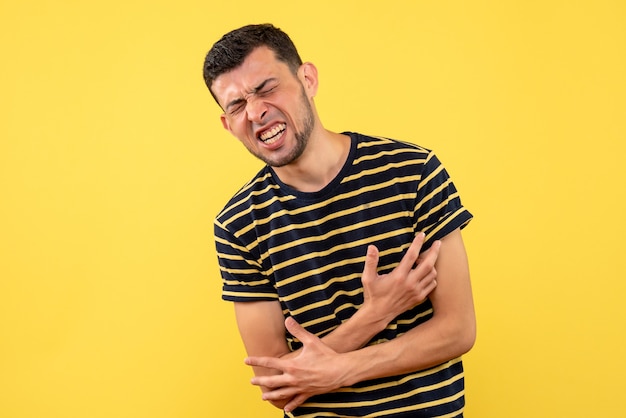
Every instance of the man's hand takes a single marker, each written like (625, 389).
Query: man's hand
(314, 370)
(389, 295)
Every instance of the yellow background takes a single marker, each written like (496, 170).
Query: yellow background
(113, 163)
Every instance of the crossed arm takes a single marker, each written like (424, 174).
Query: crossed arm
(340, 359)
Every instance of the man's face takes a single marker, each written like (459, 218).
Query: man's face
(266, 107)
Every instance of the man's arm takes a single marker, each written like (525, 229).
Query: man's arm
(262, 324)
(262, 330)
(448, 334)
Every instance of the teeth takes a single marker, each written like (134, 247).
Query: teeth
(271, 135)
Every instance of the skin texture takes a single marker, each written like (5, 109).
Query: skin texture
(262, 95)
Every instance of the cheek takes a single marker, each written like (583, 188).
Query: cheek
(236, 126)
(239, 129)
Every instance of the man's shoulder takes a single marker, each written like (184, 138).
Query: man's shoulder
(383, 147)
(240, 200)
(385, 142)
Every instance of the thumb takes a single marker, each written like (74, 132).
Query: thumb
(298, 331)
(370, 269)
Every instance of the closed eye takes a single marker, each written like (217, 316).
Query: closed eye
(235, 106)
(263, 90)
(266, 91)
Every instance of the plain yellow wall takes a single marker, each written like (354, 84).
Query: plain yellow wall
(113, 163)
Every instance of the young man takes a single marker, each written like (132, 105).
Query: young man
(320, 252)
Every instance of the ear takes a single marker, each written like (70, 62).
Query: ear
(307, 73)
(225, 122)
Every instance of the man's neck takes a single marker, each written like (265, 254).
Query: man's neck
(321, 162)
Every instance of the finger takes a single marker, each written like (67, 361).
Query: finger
(295, 402)
(410, 257)
(267, 362)
(423, 277)
(424, 273)
(275, 382)
(423, 255)
(280, 394)
(426, 290)
(370, 269)
(299, 332)
(422, 284)
(429, 257)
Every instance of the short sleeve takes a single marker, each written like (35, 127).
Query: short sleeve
(243, 278)
(439, 210)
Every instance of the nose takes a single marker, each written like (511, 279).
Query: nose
(256, 109)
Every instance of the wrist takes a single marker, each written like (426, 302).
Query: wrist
(356, 332)
(373, 319)
(353, 366)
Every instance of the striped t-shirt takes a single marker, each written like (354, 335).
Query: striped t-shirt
(307, 250)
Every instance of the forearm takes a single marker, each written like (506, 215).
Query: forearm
(318, 369)
(269, 339)
(450, 333)
(266, 338)
(431, 343)
(386, 296)
(352, 334)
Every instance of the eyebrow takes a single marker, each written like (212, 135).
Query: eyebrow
(255, 90)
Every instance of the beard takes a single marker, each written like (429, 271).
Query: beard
(302, 137)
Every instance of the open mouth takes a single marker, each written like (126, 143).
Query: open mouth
(273, 134)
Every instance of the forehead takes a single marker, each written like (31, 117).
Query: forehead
(261, 64)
